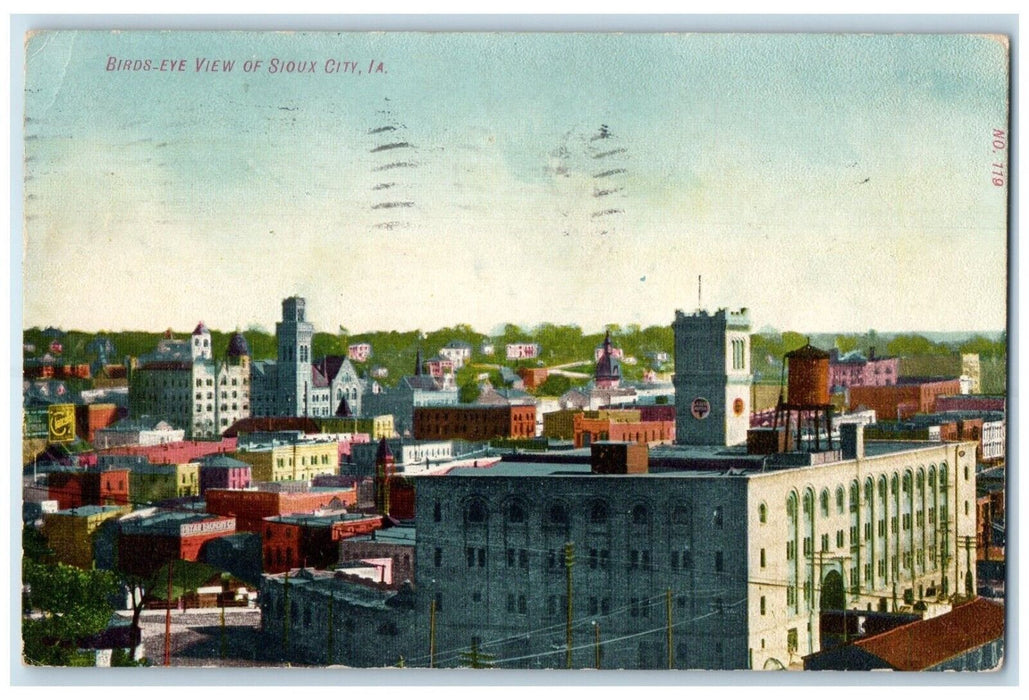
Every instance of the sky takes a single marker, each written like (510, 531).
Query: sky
(828, 182)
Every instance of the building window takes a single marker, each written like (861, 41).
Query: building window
(476, 512)
(640, 515)
(839, 499)
(762, 557)
(598, 513)
(716, 517)
(437, 557)
(558, 514)
(719, 564)
(823, 503)
(762, 514)
(762, 605)
(680, 514)
(515, 512)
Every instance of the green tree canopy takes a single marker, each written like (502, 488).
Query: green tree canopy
(64, 605)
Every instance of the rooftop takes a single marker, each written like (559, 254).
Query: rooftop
(86, 511)
(306, 520)
(927, 643)
(400, 534)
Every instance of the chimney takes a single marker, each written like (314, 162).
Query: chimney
(852, 440)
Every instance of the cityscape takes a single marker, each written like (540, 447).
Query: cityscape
(387, 362)
(298, 510)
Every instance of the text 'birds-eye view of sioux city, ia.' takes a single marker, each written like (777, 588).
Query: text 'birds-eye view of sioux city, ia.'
(444, 350)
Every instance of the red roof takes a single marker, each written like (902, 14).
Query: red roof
(175, 452)
(926, 643)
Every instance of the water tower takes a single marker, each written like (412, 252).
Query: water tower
(807, 397)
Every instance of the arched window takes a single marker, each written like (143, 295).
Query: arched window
(680, 514)
(515, 512)
(839, 499)
(558, 514)
(640, 515)
(855, 496)
(823, 503)
(598, 512)
(476, 511)
(762, 513)
(791, 505)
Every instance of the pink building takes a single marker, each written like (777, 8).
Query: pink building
(223, 472)
(854, 369)
(359, 352)
(176, 452)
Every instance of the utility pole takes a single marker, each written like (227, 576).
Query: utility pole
(432, 633)
(285, 616)
(569, 561)
(596, 644)
(221, 646)
(167, 618)
(330, 652)
(668, 616)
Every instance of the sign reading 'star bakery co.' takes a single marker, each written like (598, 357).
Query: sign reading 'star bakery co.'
(311, 241)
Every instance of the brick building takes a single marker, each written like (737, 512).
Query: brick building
(474, 422)
(249, 508)
(73, 487)
(148, 542)
(291, 541)
(904, 399)
(620, 425)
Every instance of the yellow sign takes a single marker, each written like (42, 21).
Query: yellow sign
(61, 422)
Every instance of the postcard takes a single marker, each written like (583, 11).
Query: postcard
(666, 351)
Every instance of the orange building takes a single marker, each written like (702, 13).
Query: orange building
(474, 422)
(249, 508)
(620, 426)
(532, 377)
(902, 400)
(92, 417)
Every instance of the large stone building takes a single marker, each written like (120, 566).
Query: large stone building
(748, 550)
(712, 377)
(182, 384)
(295, 384)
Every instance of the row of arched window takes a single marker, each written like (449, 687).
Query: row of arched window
(559, 513)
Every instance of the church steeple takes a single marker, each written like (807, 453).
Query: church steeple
(608, 372)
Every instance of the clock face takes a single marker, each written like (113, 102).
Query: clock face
(738, 407)
(700, 408)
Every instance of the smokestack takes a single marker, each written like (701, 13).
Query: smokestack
(852, 440)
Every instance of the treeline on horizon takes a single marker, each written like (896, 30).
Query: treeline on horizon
(561, 344)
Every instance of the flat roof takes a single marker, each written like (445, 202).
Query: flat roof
(683, 461)
(401, 534)
(319, 520)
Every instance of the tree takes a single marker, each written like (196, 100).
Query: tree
(64, 606)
